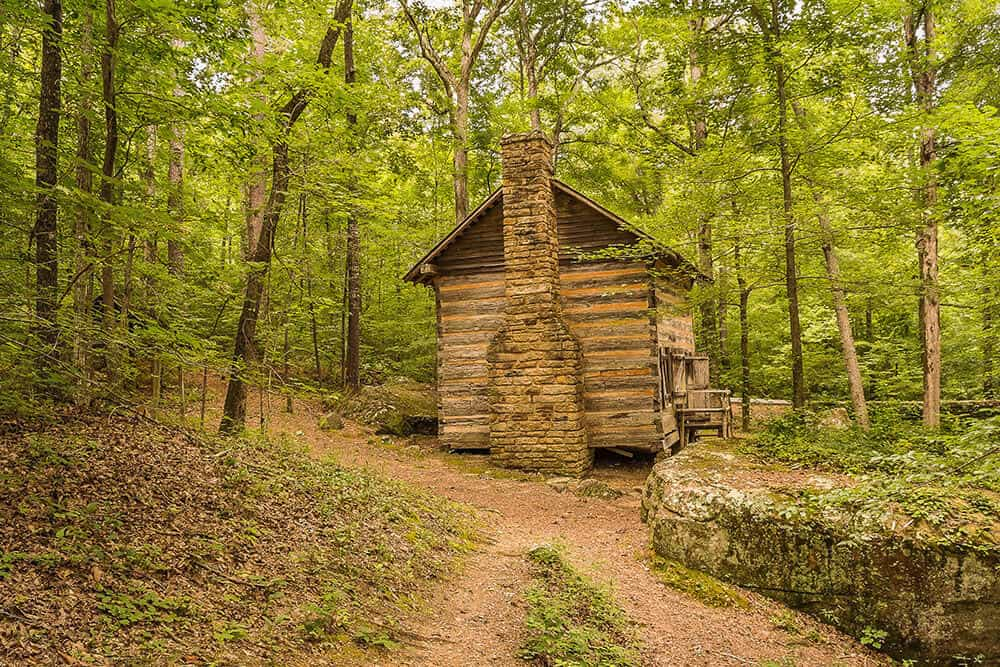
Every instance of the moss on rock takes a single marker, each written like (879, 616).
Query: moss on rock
(860, 566)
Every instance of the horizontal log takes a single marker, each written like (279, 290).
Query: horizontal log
(617, 372)
(592, 364)
(454, 353)
(594, 385)
(613, 312)
(612, 306)
(596, 328)
(451, 283)
(455, 322)
(636, 289)
(482, 336)
(603, 343)
(472, 305)
(602, 421)
(619, 403)
(464, 440)
(587, 272)
(646, 445)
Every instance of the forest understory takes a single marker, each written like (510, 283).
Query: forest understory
(255, 553)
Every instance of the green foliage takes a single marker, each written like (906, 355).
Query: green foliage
(140, 605)
(873, 637)
(573, 622)
(615, 82)
(946, 481)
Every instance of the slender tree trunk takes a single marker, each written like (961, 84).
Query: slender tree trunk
(352, 374)
(460, 132)
(83, 261)
(709, 307)
(151, 256)
(528, 51)
(772, 33)
(989, 339)
(46, 176)
(151, 253)
(848, 349)
(744, 341)
(175, 198)
(107, 193)
(257, 181)
(924, 74)
(245, 350)
(854, 379)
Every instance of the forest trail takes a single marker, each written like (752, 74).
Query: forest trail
(474, 618)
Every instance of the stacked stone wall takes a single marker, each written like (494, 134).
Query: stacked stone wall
(535, 362)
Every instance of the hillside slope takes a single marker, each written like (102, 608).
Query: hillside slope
(121, 540)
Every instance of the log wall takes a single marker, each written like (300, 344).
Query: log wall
(612, 308)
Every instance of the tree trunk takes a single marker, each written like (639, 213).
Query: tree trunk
(460, 132)
(257, 181)
(352, 368)
(175, 198)
(924, 74)
(151, 254)
(107, 193)
(791, 273)
(83, 261)
(854, 380)
(989, 340)
(849, 350)
(528, 51)
(46, 176)
(245, 347)
(744, 341)
(709, 308)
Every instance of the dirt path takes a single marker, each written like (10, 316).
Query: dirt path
(474, 618)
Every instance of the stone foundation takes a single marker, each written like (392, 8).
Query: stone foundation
(536, 389)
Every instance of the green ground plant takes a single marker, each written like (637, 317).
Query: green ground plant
(172, 546)
(947, 481)
(573, 621)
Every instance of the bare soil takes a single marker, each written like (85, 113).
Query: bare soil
(475, 616)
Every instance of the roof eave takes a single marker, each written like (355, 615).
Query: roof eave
(414, 275)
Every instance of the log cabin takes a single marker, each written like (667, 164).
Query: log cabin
(561, 328)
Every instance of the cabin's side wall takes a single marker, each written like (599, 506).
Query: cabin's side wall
(469, 311)
(610, 307)
(674, 330)
(607, 306)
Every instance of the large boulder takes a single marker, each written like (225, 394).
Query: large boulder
(867, 573)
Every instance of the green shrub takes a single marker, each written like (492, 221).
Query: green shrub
(946, 480)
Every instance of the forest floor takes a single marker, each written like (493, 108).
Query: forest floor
(475, 617)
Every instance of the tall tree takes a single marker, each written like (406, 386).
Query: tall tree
(107, 192)
(352, 362)
(474, 29)
(698, 130)
(175, 197)
(855, 382)
(771, 27)
(256, 185)
(922, 58)
(83, 264)
(46, 176)
(245, 348)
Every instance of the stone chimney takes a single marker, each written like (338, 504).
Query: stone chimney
(536, 388)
